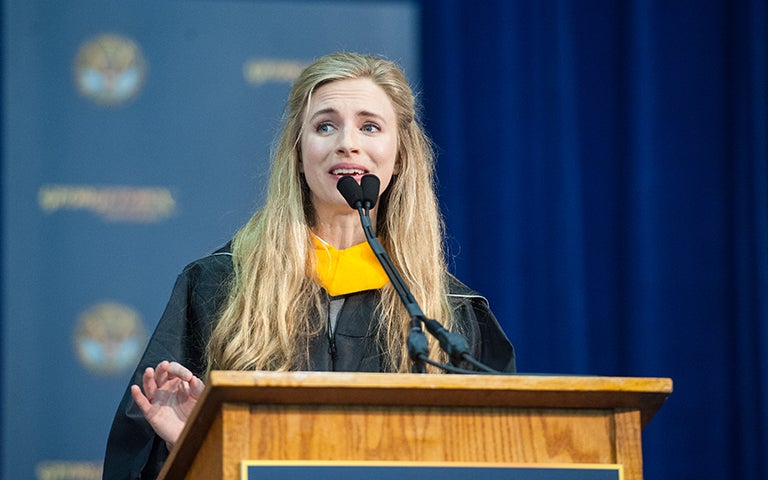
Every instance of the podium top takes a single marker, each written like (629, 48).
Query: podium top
(526, 391)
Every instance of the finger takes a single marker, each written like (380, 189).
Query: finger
(141, 401)
(180, 371)
(161, 373)
(196, 387)
(149, 382)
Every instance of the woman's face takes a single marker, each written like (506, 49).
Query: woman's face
(350, 129)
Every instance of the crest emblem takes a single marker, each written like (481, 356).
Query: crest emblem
(110, 69)
(109, 338)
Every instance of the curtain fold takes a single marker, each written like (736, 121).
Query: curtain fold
(602, 168)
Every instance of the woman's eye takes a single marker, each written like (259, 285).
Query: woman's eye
(370, 128)
(324, 127)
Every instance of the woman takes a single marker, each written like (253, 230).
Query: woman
(299, 287)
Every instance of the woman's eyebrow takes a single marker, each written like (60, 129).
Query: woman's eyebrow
(366, 113)
(361, 113)
(323, 112)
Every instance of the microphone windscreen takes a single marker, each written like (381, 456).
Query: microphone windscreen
(370, 185)
(351, 191)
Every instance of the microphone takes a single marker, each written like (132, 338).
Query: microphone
(363, 195)
(351, 191)
(370, 186)
(362, 198)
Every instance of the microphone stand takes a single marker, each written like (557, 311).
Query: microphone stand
(418, 348)
(362, 198)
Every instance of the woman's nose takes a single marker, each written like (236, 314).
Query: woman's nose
(347, 142)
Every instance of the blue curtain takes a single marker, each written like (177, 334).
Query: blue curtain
(604, 173)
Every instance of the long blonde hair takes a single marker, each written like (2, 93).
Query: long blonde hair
(274, 296)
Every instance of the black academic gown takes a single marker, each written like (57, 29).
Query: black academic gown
(134, 451)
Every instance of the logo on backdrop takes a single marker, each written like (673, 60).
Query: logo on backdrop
(62, 470)
(110, 69)
(109, 338)
(258, 71)
(113, 204)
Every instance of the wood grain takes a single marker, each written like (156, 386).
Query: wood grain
(431, 434)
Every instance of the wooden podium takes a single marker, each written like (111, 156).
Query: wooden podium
(473, 419)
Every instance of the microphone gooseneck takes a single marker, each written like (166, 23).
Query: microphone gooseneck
(362, 198)
(418, 348)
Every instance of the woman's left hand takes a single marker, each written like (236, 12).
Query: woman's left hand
(170, 393)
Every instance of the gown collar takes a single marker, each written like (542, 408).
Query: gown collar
(350, 270)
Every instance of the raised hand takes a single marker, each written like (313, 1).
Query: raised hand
(170, 393)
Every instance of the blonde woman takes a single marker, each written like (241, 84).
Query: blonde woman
(299, 288)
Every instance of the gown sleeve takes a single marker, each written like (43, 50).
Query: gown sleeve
(485, 336)
(133, 449)
(496, 350)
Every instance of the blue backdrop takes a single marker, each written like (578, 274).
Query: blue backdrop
(135, 140)
(602, 166)
(604, 173)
